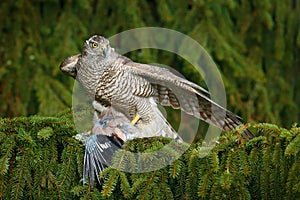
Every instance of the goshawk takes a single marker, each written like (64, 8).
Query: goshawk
(134, 89)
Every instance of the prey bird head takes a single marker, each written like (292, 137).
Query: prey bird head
(96, 46)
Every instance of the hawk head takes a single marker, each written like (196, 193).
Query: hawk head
(96, 46)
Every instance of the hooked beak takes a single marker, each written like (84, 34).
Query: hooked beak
(104, 52)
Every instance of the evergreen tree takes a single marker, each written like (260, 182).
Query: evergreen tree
(39, 159)
(254, 43)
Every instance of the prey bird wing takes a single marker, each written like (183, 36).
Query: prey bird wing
(99, 151)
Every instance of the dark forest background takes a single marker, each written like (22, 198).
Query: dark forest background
(254, 43)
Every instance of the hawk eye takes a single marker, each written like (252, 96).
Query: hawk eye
(94, 45)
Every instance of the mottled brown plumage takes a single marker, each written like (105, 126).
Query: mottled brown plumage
(134, 88)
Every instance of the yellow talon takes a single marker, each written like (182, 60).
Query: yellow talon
(135, 119)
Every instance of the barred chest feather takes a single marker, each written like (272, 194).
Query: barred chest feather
(114, 89)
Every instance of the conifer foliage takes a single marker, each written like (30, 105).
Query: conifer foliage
(39, 159)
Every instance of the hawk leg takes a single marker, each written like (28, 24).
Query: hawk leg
(135, 119)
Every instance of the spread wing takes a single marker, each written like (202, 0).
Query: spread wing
(172, 90)
(68, 66)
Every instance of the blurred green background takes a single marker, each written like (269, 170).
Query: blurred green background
(254, 43)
